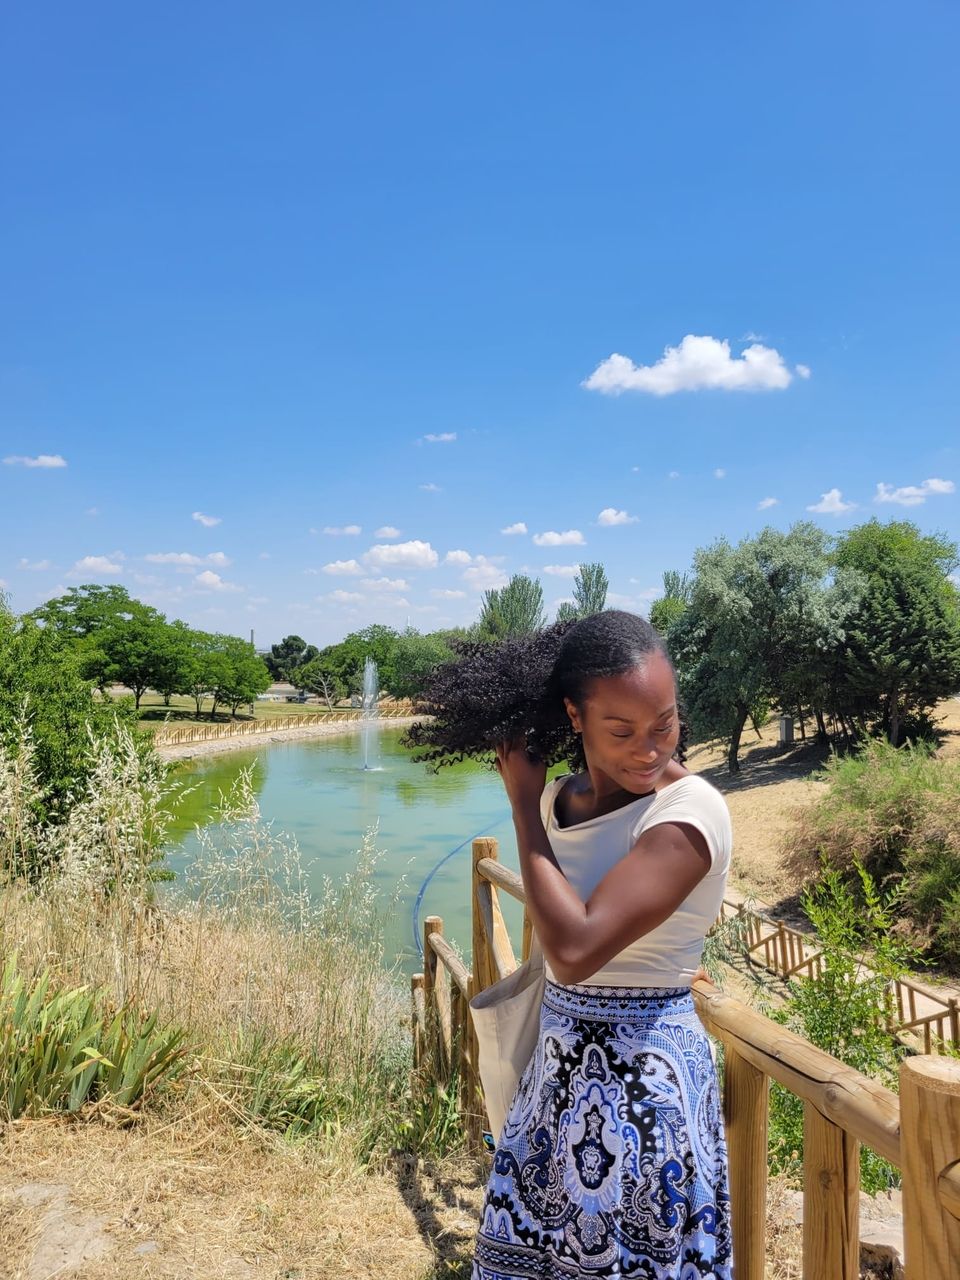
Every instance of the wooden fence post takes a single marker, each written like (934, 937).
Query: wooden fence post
(436, 994)
(483, 847)
(746, 1108)
(930, 1144)
(417, 1018)
(831, 1199)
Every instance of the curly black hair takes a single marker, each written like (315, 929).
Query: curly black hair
(496, 691)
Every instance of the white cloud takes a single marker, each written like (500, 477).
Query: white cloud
(406, 555)
(562, 570)
(36, 566)
(210, 581)
(344, 597)
(802, 371)
(611, 516)
(342, 567)
(673, 475)
(484, 573)
(207, 521)
(440, 437)
(186, 559)
(431, 488)
(912, 495)
(764, 503)
(699, 363)
(41, 460)
(458, 557)
(387, 531)
(444, 593)
(719, 473)
(570, 538)
(385, 584)
(519, 527)
(831, 504)
(339, 531)
(105, 566)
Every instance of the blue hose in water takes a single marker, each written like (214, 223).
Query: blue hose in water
(417, 940)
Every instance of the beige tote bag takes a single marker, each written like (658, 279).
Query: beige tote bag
(506, 1018)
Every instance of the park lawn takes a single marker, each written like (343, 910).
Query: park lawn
(183, 711)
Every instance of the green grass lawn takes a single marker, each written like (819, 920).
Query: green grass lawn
(182, 710)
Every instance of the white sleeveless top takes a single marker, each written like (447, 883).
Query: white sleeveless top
(669, 955)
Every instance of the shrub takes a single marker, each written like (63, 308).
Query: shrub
(62, 1049)
(894, 811)
(847, 1010)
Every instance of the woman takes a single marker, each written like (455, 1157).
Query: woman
(611, 1161)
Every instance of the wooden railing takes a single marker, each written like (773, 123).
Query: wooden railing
(917, 1131)
(170, 736)
(924, 1015)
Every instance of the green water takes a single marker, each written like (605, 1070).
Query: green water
(317, 790)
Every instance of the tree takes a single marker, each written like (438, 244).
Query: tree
(414, 657)
(285, 658)
(87, 609)
(240, 674)
(903, 648)
(320, 678)
(590, 589)
(516, 609)
(756, 616)
(677, 589)
(133, 652)
(41, 671)
(567, 611)
(342, 664)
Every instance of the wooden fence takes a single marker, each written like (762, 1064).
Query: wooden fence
(925, 1016)
(169, 735)
(917, 1131)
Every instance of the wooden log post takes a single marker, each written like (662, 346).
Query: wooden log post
(746, 1109)
(930, 1145)
(432, 924)
(483, 847)
(831, 1199)
(417, 1018)
(437, 991)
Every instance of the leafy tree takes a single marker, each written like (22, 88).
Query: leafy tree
(41, 671)
(903, 648)
(203, 669)
(414, 657)
(756, 615)
(567, 611)
(317, 676)
(87, 609)
(677, 591)
(240, 674)
(590, 589)
(285, 658)
(342, 664)
(516, 609)
(171, 672)
(132, 652)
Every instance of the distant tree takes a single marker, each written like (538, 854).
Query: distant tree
(343, 663)
(567, 611)
(285, 658)
(132, 652)
(902, 652)
(590, 589)
(171, 673)
(240, 673)
(677, 589)
(414, 657)
(516, 609)
(316, 676)
(204, 668)
(87, 609)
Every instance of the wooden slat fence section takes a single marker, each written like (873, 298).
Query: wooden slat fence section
(171, 737)
(842, 1108)
(923, 1015)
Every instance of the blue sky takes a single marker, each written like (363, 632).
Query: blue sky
(314, 267)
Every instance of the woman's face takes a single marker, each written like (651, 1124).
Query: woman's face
(629, 723)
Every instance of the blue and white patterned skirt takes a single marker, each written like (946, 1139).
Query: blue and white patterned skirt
(612, 1159)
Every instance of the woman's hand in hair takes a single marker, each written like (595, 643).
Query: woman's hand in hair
(523, 776)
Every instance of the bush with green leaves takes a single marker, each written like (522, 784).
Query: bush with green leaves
(894, 810)
(848, 1009)
(62, 1049)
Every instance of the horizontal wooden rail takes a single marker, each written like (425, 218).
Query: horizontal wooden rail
(169, 736)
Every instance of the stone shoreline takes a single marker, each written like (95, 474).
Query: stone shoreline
(248, 742)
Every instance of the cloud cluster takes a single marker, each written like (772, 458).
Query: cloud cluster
(519, 527)
(439, 437)
(831, 504)
(569, 538)
(207, 521)
(41, 460)
(98, 566)
(344, 530)
(387, 531)
(210, 581)
(187, 560)
(407, 555)
(611, 516)
(343, 567)
(912, 495)
(699, 363)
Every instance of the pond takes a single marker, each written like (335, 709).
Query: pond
(316, 790)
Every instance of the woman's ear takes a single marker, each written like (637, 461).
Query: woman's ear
(574, 715)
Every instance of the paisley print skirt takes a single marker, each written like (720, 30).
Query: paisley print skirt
(612, 1159)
